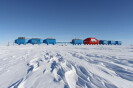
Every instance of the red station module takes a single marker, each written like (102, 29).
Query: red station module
(91, 41)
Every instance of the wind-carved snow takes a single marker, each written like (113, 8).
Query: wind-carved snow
(71, 78)
(42, 66)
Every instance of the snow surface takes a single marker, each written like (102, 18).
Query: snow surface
(42, 66)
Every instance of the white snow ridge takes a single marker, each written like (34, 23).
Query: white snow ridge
(42, 66)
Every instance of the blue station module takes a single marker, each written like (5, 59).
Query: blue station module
(50, 41)
(77, 41)
(103, 42)
(35, 41)
(21, 40)
(118, 42)
(110, 42)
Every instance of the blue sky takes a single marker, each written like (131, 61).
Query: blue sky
(66, 19)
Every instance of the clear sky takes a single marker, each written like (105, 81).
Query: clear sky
(66, 19)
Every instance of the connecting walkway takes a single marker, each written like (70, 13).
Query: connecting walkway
(63, 43)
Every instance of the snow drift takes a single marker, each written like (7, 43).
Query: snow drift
(42, 66)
